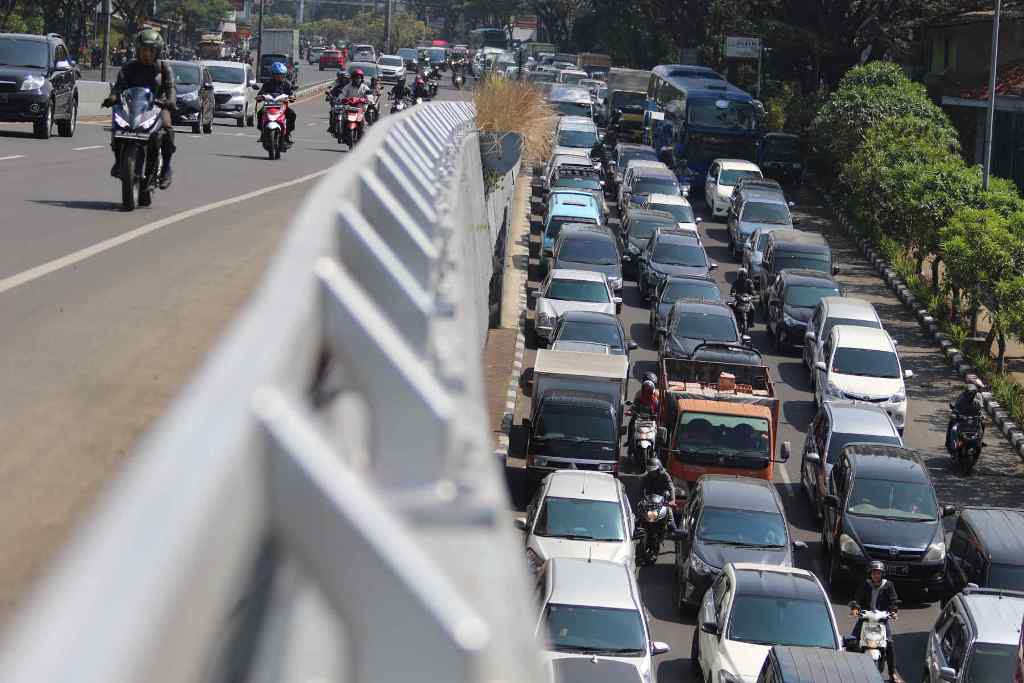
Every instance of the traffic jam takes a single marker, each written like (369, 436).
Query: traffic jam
(653, 423)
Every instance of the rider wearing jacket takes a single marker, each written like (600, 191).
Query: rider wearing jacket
(644, 401)
(419, 88)
(878, 593)
(659, 482)
(340, 84)
(357, 88)
(743, 285)
(278, 85)
(149, 71)
(968, 404)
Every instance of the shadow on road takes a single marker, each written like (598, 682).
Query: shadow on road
(88, 205)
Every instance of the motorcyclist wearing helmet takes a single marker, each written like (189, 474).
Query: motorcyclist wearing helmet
(149, 71)
(358, 86)
(645, 402)
(659, 482)
(878, 593)
(400, 90)
(279, 85)
(743, 284)
(419, 88)
(968, 404)
(341, 82)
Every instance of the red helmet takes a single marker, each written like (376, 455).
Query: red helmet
(358, 72)
(419, 80)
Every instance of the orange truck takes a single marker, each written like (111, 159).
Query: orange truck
(719, 415)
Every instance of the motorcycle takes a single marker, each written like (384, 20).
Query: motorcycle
(350, 129)
(743, 308)
(457, 78)
(137, 127)
(273, 124)
(644, 430)
(398, 104)
(372, 108)
(967, 440)
(652, 516)
(433, 77)
(873, 638)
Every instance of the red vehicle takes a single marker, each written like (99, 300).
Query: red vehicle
(351, 123)
(331, 59)
(274, 124)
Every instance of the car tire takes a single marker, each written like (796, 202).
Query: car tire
(241, 119)
(780, 343)
(695, 653)
(43, 129)
(197, 129)
(66, 128)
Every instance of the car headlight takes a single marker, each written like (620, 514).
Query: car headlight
(726, 677)
(899, 396)
(33, 83)
(936, 552)
(699, 566)
(188, 96)
(848, 546)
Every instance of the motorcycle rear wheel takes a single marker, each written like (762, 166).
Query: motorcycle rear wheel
(967, 461)
(129, 181)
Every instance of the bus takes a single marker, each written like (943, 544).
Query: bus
(487, 37)
(701, 116)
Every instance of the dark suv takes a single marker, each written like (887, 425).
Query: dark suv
(792, 299)
(38, 83)
(986, 549)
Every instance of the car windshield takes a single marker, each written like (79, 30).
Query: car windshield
(622, 99)
(580, 519)
(628, 155)
(438, 55)
(991, 662)
(765, 620)
(598, 630)
(816, 262)
(781, 149)
(555, 225)
(742, 527)
(573, 108)
(691, 290)
(709, 113)
(586, 291)
(640, 229)
(226, 74)
(590, 183)
(839, 441)
(681, 212)
(1006, 576)
(185, 75)
(892, 500)
(679, 254)
(763, 212)
(571, 421)
(541, 77)
(32, 54)
(732, 176)
(866, 363)
(598, 333)
(391, 61)
(708, 432)
(707, 326)
(655, 186)
(568, 137)
(596, 251)
(803, 296)
(407, 53)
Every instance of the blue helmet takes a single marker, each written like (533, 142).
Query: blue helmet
(279, 69)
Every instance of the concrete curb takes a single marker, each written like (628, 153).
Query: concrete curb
(1000, 419)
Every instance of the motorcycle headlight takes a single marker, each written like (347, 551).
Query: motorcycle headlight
(899, 396)
(699, 566)
(936, 552)
(120, 121)
(848, 546)
(188, 96)
(32, 83)
(148, 123)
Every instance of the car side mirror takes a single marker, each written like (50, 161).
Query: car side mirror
(207, 86)
(631, 345)
(835, 270)
(947, 673)
(617, 300)
(659, 648)
(62, 65)
(948, 510)
(907, 374)
(812, 457)
(811, 337)
(820, 365)
(709, 627)
(799, 545)
(785, 452)
(791, 204)
(746, 339)
(851, 644)
(831, 501)
(712, 266)
(521, 523)
(698, 220)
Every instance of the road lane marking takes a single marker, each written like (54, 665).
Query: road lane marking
(81, 255)
(13, 156)
(82, 149)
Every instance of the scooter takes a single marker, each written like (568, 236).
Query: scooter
(274, 124)
(652, 516)
(350, 130)
(644, 429)
(137, 128)
(967, 440)
(743, 308)
(458, 80)
(873, 639)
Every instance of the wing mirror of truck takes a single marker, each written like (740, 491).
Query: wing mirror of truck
(785, 451)
(746, 339)
(709, 627)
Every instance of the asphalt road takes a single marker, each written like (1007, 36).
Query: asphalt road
(997, 479)
(105, 314)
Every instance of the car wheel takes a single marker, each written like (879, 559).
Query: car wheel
(43, 129)
(66, 128)
(780, 342)
(242, 119)
(197, 129)
(250, 119)
(695, 652)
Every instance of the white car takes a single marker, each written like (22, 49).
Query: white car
(576, 513)
(723, 175)
(572, 76)
(392, 68)
(576, 132)
(234, 91)
(571, 290)
(591, 608)
(861, 364)
(678, 207)
(832, 311)
(750, 608)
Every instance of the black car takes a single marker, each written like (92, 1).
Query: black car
(780, 156)
(986, 549)
(676, 289)
(38, 83)
(692, 324)
(195, 104)
(728, 519)
(668, 253)
(883, 507)
(590, 327)
(637, 229)
(792, 299)
(592, 248)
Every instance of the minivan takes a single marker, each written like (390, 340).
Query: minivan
(793, 249)
(832, 311)
(754, 209)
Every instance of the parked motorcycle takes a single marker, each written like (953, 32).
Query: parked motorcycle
(350, 129)
(652, 516)
(873, 638)
(967, 440)
(274, 124)
(137, 127)
(644, 430)
(743, 308)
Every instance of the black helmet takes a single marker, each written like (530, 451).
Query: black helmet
(650, 377)
(742, 272)
(147, 37)
(653, 465)
(876, 564)
(971, 388)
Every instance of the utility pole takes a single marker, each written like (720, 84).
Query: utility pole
(302, 11)
(259, 51)
(106, 40)
(760, 54)
(387, 26)
(986, 169)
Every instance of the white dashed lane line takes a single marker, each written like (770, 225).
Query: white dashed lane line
(82, 149)
(12, 157)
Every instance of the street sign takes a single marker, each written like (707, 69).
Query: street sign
(741, 47)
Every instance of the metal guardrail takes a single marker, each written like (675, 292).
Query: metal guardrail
(321, 502)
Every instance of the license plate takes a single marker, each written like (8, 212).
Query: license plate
(897, 569)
